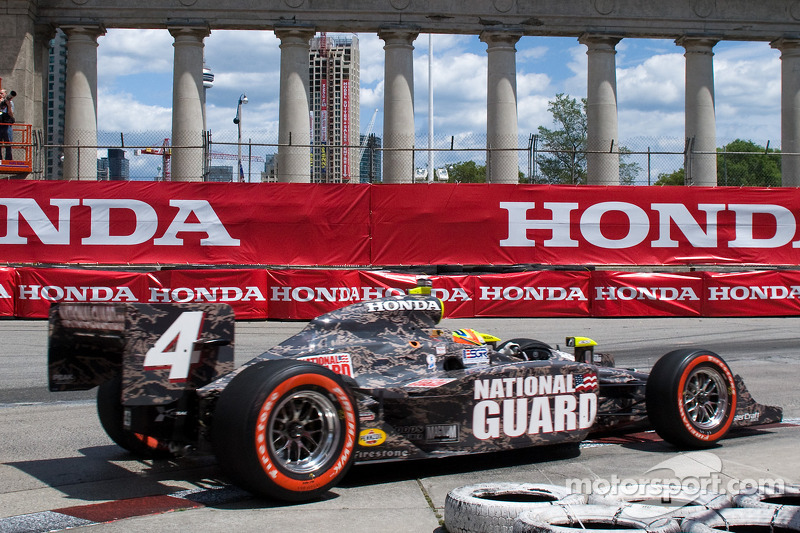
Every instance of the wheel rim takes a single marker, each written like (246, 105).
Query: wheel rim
(705, 398)
(302, 431)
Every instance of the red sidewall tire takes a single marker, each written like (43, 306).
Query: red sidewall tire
(720, 431)
(666, 407)
(333, 467)
(256, 430)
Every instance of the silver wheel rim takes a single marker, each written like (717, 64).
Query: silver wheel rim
(705, 398)
(302, 431)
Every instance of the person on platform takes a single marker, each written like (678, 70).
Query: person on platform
(6, 120)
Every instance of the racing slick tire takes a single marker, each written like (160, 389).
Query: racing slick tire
(589, 519)
(785, 495)
(490, 507)
(691, 398)
(532, 349)
(738, 519)
(285, 429)
(111, 414)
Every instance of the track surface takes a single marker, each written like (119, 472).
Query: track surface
(59, 470)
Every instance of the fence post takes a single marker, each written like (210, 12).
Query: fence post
(687, 161)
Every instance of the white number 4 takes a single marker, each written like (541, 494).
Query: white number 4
(173, 349)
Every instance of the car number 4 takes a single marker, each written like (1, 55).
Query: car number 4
(175, 348)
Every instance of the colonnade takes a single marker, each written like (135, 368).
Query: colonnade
(398, 128)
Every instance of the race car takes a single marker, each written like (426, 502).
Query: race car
(374, 381)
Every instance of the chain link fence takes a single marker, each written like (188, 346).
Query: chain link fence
(147, 156)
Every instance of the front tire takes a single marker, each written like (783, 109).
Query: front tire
(691, 398)
(286, 429)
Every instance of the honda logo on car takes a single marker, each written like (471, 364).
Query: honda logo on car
(511, 407)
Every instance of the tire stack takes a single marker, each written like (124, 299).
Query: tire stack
(540, 508)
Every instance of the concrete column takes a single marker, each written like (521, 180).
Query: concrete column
(602, 140)
(294, 130)
(187, 103)
(502, 158)
(398, 104)
(790, 111)
(701, 123)
(80, 115)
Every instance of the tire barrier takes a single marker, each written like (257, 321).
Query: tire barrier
(734, 519)
(589, 519)
(785, 496)
(653, 500)
(493, 507)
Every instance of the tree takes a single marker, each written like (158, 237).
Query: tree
(565, 158)
(673, 178)
(744, 169)
(755, 166)
(466, 172)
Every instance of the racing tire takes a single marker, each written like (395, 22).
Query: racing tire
(111, 413)
(645, 501)
(285, 430)
(490, 507)
(532, 349)
(691, 398)
(785, 496)
(589, 519)
(738, 519)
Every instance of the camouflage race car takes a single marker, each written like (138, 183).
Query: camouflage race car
(375, 381)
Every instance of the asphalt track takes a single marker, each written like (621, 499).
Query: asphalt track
(58, 470)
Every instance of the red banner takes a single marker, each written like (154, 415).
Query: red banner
(37, 288)
(120, 223)
(617, 294)
(8, 287)
(183, 223)
(773, 293)
(533, 294)
(302, 294)
(515, 224)
(244, 290)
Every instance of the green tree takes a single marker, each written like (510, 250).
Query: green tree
(761, 169)
(673, 178)
(564, 158)
(466, 172)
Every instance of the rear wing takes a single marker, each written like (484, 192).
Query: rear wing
(159, 350)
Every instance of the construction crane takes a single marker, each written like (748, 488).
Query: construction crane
(166, 153)
(366, 136)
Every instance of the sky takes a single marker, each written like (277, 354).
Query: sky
(135, 85)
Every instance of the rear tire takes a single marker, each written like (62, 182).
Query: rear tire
(286, 429)
(691, 398)
(111, 413)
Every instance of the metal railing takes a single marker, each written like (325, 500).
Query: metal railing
(148, 155)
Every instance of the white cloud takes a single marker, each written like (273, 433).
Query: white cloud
(135, 84)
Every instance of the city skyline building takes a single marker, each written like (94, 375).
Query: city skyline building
(370, 161)
(56, 103)
(334, 108)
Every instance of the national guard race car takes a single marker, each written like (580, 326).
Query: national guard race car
(375, 381)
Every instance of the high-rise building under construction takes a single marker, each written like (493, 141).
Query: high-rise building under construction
(334, 88)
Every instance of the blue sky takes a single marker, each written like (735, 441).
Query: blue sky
(135, 85)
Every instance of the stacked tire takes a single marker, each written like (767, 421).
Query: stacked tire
(493, 507)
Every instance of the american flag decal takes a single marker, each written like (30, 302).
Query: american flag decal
(585, 382)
